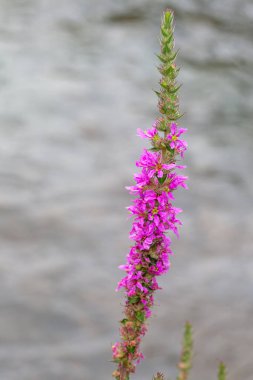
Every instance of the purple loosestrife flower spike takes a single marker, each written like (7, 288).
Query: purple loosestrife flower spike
(153, 211)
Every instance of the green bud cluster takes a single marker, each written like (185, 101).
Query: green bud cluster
(222, 372)
(168, 95)
(186, 356)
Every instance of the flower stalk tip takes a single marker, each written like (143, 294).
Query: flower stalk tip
(159, 376)
(222, 372)
(185, 363)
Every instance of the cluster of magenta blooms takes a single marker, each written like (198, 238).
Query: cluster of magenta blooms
(154, 215)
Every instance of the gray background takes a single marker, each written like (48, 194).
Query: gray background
(76, 81)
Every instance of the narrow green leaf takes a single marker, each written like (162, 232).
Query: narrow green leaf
(173, 91)
(162, 179)
(173, 56)
(140, 316)
(131, 349)
(157, 93)
(134, 299)
(168, 40)
(170, 149)
(154, 149)
(164, 32)
(161, 58)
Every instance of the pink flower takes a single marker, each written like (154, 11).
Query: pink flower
(176, 181)
(153, 163)
(175, 143)
(117, 350)
(149, 133)
(142, 179)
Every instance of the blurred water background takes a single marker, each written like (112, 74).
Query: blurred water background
(76, 81)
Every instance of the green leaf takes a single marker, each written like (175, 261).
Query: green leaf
(162, 179)
(131, 349)
(168, 40)
(169, 88)
(170, 149)
(124, 321)
(134, 299)
(173, 91)
(172, 57)
(161, 58)
(164, 32)
(140, 316)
